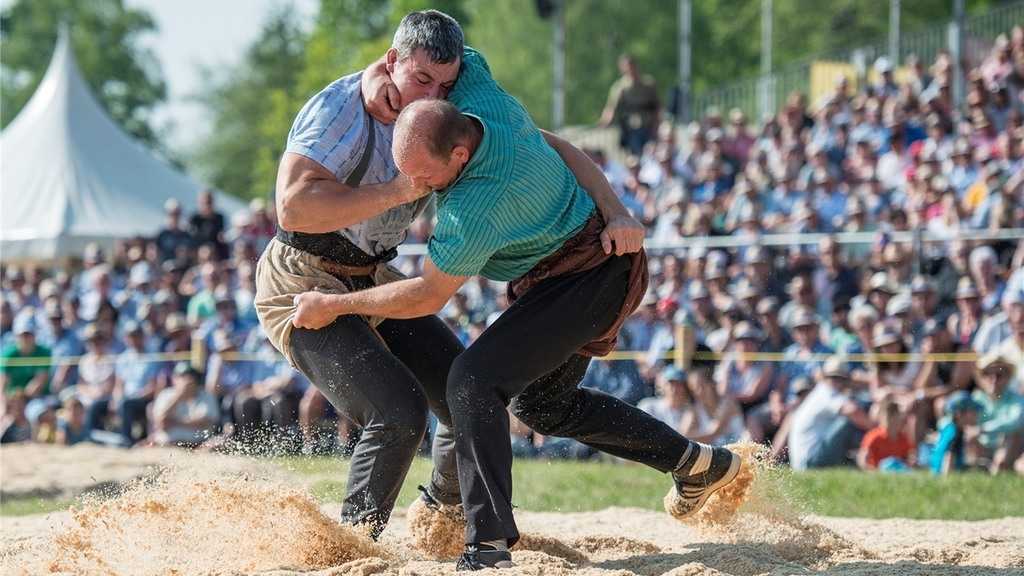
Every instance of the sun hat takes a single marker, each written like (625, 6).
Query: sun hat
(965, 288)
(884, 336)
(835, 367)
(746, 331)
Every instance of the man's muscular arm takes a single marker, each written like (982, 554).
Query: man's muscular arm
(380, 97)
(411, 298)
(310, 198)
(622, 233)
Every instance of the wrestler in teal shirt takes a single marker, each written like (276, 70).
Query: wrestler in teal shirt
(515, 202)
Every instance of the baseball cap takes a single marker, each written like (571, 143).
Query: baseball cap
(715, 272)
(805, 317)
(185, 368)
(666, 305)
(132, 327)
(673, 372)
(141, 273)
(1012, 296)
(25, 323)
(755, 254)
(717, 258)
(697, 290)
(174, 323)
(965, 288)
(799, 385)
(921, 284)
(745, 289)
(899, 304)
(697, 252)
(880, 281)
(961, 401)
(221, 296)
(767, 305)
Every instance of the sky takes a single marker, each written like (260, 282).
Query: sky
(191, 33)
(195, 33)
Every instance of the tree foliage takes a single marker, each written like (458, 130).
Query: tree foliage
(104, 33)
(253, 107)
(244, 104)
(253, 116)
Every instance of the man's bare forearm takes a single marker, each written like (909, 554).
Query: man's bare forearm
(589, 177)
(411, 298)
(310, 199)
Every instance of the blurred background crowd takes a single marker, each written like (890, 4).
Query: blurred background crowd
(885, 329)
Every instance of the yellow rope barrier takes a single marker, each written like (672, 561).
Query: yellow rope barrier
(678, 355)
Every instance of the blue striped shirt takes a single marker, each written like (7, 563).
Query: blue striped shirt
(333, 129)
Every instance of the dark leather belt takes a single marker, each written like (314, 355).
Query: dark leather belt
(347, 270)
(335, 248)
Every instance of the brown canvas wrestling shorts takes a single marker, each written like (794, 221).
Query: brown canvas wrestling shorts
(284, 272)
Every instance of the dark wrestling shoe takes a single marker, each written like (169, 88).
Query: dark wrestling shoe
(429, 500)
(479, 557)
(704, 472)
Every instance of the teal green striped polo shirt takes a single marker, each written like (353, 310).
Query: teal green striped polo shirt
(515, 201)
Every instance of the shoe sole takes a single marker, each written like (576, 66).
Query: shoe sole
(734, 470)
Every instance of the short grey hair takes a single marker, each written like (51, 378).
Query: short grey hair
(435, 32)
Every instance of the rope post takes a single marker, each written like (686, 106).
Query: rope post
(199, 353)
(683, 350)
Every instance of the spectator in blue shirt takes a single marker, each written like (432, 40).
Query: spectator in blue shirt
(135, 383)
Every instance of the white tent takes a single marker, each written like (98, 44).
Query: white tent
(70, 175)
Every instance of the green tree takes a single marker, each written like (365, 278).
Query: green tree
(243, 102)
(518, 46)
(104, 33)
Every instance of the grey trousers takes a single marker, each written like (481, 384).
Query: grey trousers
(387, 390)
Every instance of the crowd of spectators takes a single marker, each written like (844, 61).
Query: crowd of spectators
(802, 347)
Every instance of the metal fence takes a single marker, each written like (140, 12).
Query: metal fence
(744, 93)
(926, 43)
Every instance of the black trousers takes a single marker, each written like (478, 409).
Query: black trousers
(529, 354)
(387, 391)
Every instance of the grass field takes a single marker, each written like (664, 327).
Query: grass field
(560, 486)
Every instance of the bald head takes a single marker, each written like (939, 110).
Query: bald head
(436, 126)
(432, 142)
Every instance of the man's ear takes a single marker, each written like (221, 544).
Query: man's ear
(390, 59)
(460, 153)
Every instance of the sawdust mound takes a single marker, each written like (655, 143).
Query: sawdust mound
(437, 533)
(233, 523)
